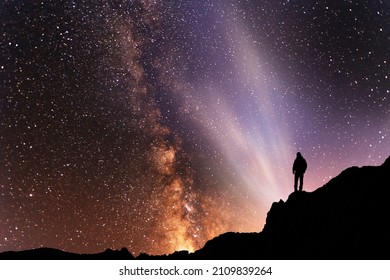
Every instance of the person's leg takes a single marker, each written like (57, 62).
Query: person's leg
(295, 182)
(301, 182)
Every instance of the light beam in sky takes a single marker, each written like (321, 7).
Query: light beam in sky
(243, 122)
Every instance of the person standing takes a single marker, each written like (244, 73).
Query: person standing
(299, 169)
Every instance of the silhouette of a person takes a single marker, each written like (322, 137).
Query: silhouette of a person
(299, 169)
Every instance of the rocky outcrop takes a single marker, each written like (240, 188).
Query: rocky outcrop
(348, 218)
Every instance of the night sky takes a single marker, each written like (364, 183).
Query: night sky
(158, 125)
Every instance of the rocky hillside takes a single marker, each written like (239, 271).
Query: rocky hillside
(348, 218)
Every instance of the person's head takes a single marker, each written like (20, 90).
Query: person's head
(299, 154)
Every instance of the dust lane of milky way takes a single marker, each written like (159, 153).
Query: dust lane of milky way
(157, 125)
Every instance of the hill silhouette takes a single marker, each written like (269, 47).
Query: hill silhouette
(347, 218)
(55, 254)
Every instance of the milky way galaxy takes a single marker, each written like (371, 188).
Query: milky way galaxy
(158, 125)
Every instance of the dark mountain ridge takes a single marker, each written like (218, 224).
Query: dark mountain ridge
(347, 218)
(55, 254)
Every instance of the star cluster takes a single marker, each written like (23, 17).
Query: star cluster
(157, 125)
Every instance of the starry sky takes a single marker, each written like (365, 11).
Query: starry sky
(158, 125)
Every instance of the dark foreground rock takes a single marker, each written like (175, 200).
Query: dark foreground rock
(348, 218)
